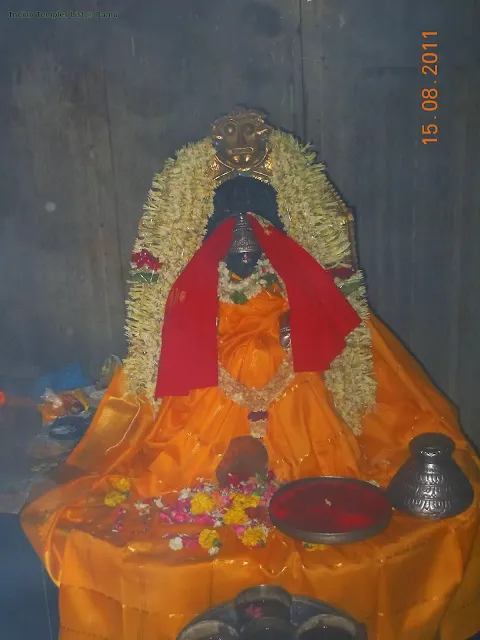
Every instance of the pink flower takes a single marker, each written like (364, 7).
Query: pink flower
(204, 518)
(164, 517)
(180, 516)
(183, 505)
(191, 543)
(239, 529)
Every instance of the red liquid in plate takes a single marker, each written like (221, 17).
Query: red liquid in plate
(330, 507)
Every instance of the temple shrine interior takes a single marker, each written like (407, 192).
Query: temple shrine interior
(239, 350)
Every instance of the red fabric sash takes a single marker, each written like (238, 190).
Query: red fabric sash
(320, 316)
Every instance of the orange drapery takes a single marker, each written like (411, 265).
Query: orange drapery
(411, 581)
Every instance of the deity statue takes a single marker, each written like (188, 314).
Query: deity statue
(253, 360)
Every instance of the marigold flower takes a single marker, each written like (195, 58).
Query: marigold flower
(114, 498)
(122, 484)
(201, 503)
(243, 501)
(209, 538)
(235, 516)
(254, 537)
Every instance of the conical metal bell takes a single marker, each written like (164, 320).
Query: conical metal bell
(243, 238)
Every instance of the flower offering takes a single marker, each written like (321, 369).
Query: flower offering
(242, 506)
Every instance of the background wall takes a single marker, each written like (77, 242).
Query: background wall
(91, 107)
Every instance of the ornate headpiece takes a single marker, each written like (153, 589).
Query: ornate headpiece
(242, 144)
(243, 238)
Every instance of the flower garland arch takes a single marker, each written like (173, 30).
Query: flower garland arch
(172, 228)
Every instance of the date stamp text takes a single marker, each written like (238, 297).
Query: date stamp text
(430, 94)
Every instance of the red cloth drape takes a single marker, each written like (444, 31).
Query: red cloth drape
(320, 316)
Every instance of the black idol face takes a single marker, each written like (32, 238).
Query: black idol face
(238, 195)
(243, 264)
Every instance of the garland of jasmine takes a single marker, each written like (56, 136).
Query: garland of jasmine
(172, 228)
(239, 291)
(258, 400)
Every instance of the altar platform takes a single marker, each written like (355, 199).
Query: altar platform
(29, 599)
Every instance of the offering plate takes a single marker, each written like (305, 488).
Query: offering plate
(302, 609)
(330, 510)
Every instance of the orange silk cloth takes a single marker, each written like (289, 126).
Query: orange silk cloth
(412, 581)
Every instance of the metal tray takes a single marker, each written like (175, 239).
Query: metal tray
(326, 537)
(303, 608)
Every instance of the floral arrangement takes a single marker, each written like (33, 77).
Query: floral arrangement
(121, 492)
(147, 266)
(241, 506)
(239, 291)
(172, 228)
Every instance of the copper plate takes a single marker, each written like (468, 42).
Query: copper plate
(364, 510)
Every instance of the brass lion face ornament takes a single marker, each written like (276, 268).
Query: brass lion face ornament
(241, 144)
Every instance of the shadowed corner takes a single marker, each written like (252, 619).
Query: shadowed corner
(29, 599)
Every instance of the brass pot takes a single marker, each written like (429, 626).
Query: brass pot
(431, 484)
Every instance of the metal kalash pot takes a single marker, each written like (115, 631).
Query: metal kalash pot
(431, 484)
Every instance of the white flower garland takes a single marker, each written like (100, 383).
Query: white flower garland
(240, 291)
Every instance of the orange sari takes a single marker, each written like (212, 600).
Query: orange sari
(411, 581)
